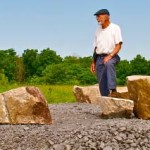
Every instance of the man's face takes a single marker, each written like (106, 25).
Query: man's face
(101, 19)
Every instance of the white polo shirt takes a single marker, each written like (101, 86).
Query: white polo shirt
(106, 39)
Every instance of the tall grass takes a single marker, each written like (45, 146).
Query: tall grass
(52, 93)
(57, 93)
(7, 87)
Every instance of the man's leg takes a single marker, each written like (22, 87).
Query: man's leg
(111, 72)
(102, 76)
(103, 84)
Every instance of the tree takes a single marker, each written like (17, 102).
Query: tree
(45, 58)
(71, 59)
(148, 67)
(30, 62)
(8, 63)
(71, 71)
(20, 70)
(123, 69)
(3, 78)
(139, 65)
(54, 74)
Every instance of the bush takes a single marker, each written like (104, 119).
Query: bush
(3, 79)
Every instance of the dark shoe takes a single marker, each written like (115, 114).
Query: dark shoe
(113, 93)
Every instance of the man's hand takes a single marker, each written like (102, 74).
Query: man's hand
(107, 58)
(93, 67)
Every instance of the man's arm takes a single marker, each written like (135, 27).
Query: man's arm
(113, 53)
(93, 64)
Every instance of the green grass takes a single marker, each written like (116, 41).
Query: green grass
(52, 93)
(4, 88)
(57, 93)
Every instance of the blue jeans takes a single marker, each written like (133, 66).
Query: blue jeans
(106, 74)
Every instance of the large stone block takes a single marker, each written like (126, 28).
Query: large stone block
(88, 94)
(122, 92)
(139, 92)
(3, 111)
(24, 105)
(115, 107)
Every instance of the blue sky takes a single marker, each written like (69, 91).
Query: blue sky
(68, 27)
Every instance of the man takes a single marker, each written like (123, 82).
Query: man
(107, 44)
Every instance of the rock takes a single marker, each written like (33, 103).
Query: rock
(102, 144)
(67, 147)
(115, 107)
(24, 105)
(3, 111)
(122, 92)
(107, 148)
(139, 92)
(100, 132)
(59, 147)
(111, 107)
(86, 94)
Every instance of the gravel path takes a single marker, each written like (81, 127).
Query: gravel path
(77, 126)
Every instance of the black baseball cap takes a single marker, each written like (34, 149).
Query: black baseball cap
(102, 11)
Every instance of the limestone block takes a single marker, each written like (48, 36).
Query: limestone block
(122, 92)
(86, 94)
(139, 92)
(115, 107)
(24, 105)
(3, 111)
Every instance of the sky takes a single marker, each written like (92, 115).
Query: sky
(68, 26)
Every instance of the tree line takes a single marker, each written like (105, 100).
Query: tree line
(47, 67)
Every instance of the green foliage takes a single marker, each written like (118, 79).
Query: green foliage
(45, 58)
(54, 74)
(69, 73)
(8, 63)
(71, 60)
(139, 65)
(57, 93)
(35, 80)
(52, 93)
(46, 67)
(123, 69)
(30, 62)
(20, 70)
(148, 67)
(3, 78)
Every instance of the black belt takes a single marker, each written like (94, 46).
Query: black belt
(102, 55)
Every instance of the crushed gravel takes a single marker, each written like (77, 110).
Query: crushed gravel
(78, 126)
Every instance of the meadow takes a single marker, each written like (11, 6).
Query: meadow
(52, 93)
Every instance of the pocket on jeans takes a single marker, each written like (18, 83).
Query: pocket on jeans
(117, 57)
